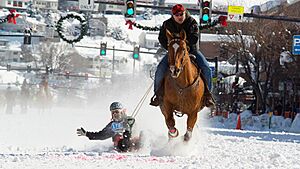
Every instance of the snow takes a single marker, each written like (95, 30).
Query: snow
(9, 77)
(48, 139)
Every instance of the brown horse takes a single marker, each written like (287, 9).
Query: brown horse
(183, 86)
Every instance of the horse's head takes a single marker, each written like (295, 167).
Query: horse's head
(177, 52)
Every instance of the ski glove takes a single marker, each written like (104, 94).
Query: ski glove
(81, 132)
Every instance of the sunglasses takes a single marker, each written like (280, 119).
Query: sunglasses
(178, 14)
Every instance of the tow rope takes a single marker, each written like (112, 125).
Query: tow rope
(139, 105)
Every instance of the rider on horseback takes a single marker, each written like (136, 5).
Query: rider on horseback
(119, 129)
(181, 19)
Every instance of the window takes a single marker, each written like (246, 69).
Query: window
(15, 53)
(20, 4)
(8, 2)
(15, 3)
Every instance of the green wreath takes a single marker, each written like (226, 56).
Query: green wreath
(61, 32)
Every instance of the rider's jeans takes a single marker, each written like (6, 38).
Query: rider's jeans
(163, 66)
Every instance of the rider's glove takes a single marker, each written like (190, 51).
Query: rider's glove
(81, 132)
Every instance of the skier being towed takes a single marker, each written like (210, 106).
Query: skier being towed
(119, 129)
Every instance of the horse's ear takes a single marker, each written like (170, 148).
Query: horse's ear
(169, 35)
(182, 35)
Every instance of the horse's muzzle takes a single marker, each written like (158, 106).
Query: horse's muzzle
(174, 71)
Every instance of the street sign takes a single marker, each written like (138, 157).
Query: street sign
(86, 5)
(235, 13)
(296, 45)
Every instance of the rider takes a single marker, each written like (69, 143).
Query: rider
(179, 20)
(119, 129)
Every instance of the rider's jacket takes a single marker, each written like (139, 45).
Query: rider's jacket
(189, 26)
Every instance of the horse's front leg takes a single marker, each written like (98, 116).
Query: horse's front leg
(170, 121)
(191, 120)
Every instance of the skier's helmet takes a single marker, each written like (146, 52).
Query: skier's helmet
(115, 106)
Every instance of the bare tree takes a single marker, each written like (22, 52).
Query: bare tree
(56, 55)
(258, 52)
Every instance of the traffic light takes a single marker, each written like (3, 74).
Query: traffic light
(136, 52)
(102, 49)
(205, 11)
(28, 68)
(130, 8)
(27, 36)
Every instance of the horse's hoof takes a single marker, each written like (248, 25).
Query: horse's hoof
(173, 133)
(187, 136)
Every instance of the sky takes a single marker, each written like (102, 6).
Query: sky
(47, 139)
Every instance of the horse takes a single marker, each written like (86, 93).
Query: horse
(183, 86)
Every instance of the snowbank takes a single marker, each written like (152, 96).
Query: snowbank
(257, 123)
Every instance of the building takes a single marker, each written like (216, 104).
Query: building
(9, 53)
(149, 40)
(65, 5)
(36, 26)
(46, 5)
(16, 4)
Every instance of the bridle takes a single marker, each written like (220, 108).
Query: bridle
(172, 67)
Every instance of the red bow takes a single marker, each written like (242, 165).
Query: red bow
(11, 18)
(222, 20)
(130, 24)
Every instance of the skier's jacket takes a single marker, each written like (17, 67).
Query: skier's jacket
(117, 130)
(189, 25)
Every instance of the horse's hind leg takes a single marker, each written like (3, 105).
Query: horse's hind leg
(192, 118)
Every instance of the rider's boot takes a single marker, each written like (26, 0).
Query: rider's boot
(155, 100)
(157, 97)
(209, 100)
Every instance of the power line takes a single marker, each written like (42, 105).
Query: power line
(123, 50)
(249, 15)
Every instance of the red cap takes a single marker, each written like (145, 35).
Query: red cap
(177, 8)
